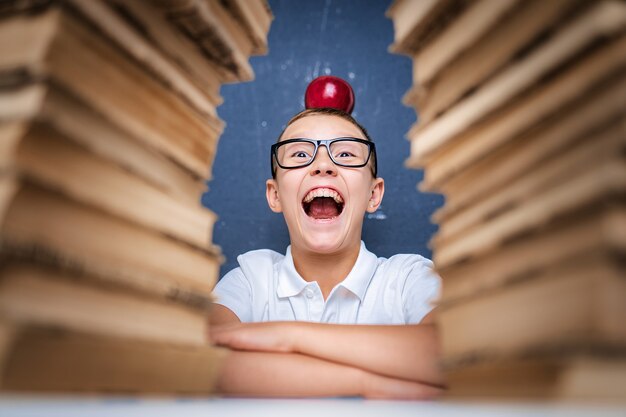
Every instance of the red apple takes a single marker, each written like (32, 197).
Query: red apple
(329, 91)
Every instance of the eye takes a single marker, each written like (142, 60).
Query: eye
(347, 150)
(345, 154)
(300, 154)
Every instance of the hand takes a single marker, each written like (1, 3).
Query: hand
(264, 337)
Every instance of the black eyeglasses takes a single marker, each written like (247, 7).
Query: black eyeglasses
(344, 152)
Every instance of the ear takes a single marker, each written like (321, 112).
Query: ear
(271, 193)
(378, 190)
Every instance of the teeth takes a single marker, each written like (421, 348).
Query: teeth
(323, 192)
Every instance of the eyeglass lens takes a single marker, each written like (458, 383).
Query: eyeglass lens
(344, 152)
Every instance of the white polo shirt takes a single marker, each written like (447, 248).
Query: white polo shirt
(267, 287)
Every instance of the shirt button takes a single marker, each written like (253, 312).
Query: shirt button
(309, 293)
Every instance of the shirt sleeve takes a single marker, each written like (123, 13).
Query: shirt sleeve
(235, 292)
(422, 290)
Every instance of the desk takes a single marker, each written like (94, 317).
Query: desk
(23, 406)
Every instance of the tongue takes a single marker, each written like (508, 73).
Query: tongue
(323, 208)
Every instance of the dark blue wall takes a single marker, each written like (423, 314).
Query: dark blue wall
(346, 38)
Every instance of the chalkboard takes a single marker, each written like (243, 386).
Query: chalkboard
(348, 39)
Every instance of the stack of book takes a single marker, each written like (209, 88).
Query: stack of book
(521, 126)
(108, 131)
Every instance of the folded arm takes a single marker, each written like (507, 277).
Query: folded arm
(262, 374)
(407, 352)
(400, 351)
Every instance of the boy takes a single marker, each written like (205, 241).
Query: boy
(323, 187)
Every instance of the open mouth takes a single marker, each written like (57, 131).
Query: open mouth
(323, 203)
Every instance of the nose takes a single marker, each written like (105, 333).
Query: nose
(322, 164)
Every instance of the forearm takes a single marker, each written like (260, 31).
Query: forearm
(261, 374)
(264, 374)
(408, 352)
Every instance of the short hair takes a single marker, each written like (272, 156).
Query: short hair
(328, 111)
(325, 111)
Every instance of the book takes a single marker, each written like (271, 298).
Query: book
(602, 183)
(599, 70)
(62, 111)
(598, 111)
(489, 55)
(48, 297)
(216, 32)
(521, 121)
(108, 131)
(458, 35)
(600, 229)
(592, 151)
(415, 22)
(605, 19)
(461, 33)
(575, 304)
(43, 359)
(7, 333)
(130, 40)
(58, 47)
(256, 17)
(570, 375)
(173, 43)
(48, 158)
(42, 226)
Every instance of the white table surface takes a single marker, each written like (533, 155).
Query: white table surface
(51, 406)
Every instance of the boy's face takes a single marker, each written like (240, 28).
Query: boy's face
(317, 223)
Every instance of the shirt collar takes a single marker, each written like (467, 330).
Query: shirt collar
(290, 283)
(361, 274)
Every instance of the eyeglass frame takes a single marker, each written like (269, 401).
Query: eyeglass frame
(326, 143)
